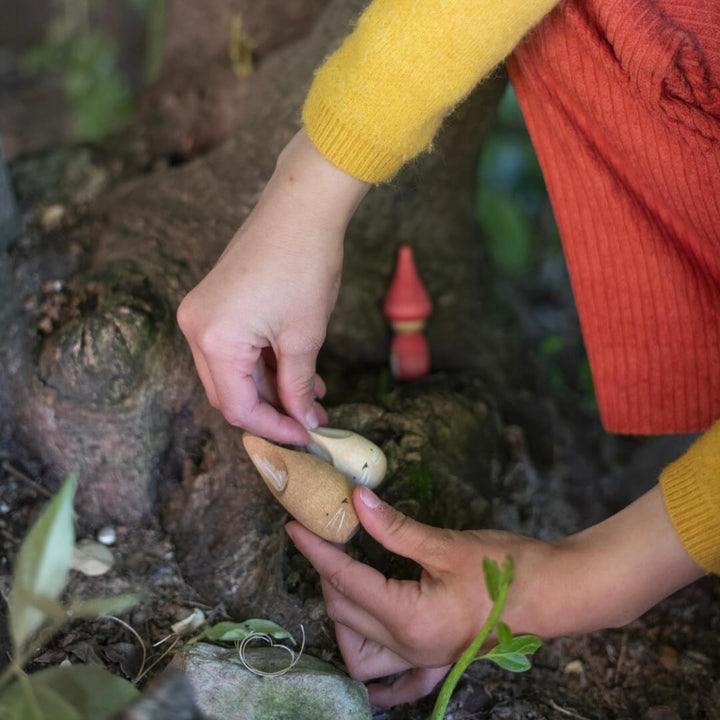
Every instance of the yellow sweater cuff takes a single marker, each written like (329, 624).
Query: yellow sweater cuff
(346, 149)
(691, 489)
(379, 99)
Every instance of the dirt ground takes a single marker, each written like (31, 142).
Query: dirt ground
(664, 666)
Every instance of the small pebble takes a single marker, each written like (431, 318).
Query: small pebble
(51, 216)
(574, 667)
(4, 508)
(107, 535)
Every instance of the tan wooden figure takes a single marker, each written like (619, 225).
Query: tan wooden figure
(312, 491)
(352, 454)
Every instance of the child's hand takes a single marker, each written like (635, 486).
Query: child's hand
(602, 577)
(256, 322)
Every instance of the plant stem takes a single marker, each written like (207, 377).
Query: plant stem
(42, 639)
(468, 656)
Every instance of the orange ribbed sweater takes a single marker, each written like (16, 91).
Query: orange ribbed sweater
(622, 100)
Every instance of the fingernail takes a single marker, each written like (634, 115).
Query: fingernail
(289, 532)
(369, 498)
(311, 418)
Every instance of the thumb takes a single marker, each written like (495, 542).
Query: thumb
(397, 532)
(296, 386)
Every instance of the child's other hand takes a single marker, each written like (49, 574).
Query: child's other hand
(256, 322)
(386, 626)
(602, 577)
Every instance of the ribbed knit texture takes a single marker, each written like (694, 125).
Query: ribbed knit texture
(691, 489)
(622, 100)
(378, 101)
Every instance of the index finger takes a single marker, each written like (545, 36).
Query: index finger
(242, 406)
(366, 587)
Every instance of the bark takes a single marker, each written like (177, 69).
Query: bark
(98, 377)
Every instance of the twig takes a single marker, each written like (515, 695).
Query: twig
(565, 711)
(140, 676)
(139, 639)
(621, 657)
(8, 468)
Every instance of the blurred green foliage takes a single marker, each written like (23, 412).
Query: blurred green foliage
(519, 230)
(87, 59)
(101, 98)
(511, 203)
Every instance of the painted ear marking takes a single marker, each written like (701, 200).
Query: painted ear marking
(275, 476)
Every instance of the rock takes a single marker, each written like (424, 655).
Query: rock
(313, 690)
(52, 216)
(168, 697)
(107, 535)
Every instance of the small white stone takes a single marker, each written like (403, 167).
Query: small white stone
(51, 216)
(107, 535)
(4, 508)
(574, 667)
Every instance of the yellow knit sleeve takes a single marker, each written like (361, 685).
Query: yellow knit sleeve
(691, 489)
(379, 99)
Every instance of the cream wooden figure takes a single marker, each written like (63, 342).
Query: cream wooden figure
(312, 491)
(352, 454)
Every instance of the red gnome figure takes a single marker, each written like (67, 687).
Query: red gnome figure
(406, 306)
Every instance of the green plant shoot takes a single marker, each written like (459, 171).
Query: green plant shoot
(42, 566)
(36, 614)
(233, 632)
(511, 652)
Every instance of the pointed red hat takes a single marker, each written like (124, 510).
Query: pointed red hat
(407, 298)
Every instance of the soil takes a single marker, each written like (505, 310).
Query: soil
(663, 666)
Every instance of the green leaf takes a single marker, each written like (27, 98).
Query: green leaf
(234, 632)
(104, 606)
(504, 633)
(511, 653)
(78, 692)
(492, 578)
(42, 565)
(514, 662)
(22, 701)
(51, 609)
(523, 644)
(267, 627)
